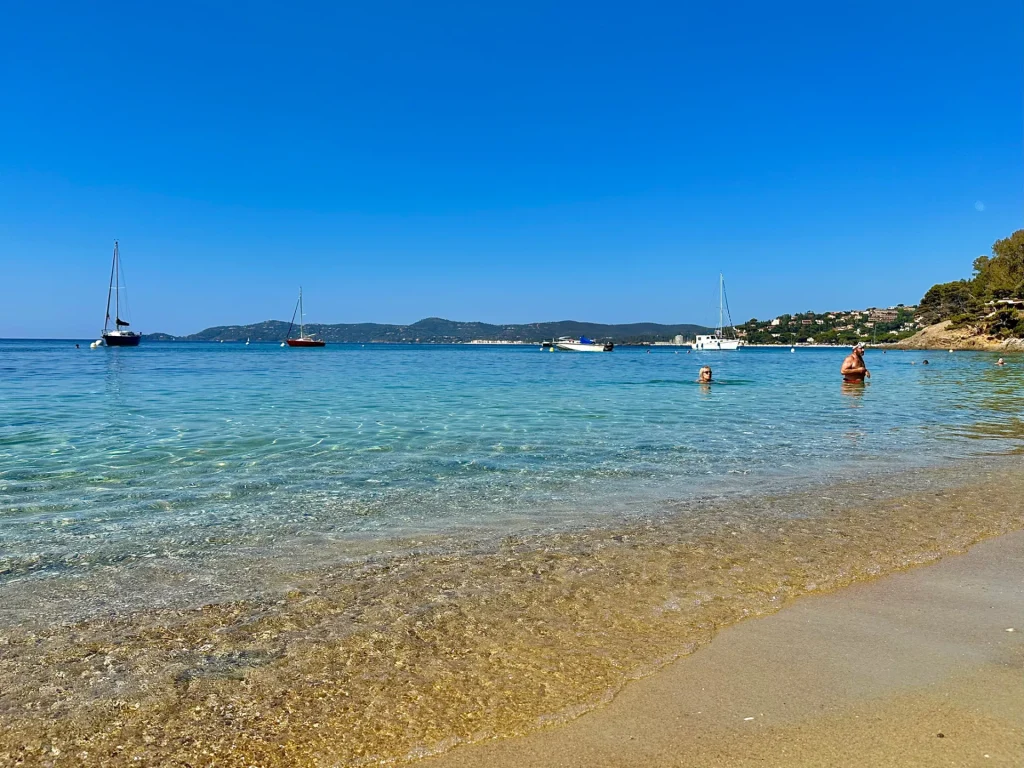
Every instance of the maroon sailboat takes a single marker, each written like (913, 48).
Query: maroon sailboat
(302, 340)
(118, 336)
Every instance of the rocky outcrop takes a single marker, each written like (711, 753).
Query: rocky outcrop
(941, 336)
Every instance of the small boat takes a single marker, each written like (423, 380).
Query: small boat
(247, 342)
(302, 340)
(582, 344)
(719, 340)
(118, 336)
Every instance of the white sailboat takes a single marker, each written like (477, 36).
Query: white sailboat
(719, 341)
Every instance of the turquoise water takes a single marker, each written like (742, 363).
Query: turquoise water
(199, 450)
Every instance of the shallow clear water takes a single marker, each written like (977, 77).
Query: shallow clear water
(405, 548)
(108, 453)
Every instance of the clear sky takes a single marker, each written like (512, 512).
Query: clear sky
(499, 161)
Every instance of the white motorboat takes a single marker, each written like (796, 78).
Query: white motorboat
(582, 344)
(715, 343)
(719, 341)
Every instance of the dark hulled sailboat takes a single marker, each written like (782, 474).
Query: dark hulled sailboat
(118, 336)
(303, 340)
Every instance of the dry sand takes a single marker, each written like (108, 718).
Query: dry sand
(915, 669)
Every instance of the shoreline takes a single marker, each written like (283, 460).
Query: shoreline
(392, 659)
(941, 337)
(916, 668)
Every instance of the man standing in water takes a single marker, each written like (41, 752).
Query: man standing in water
(853, 366)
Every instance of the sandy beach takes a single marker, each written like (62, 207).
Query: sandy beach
(644, 644)
(919, 668)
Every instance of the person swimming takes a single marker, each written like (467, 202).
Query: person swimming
(704, 375)
(853, 368)
(1000, 361)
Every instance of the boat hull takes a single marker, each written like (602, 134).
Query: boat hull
(122, 339)
(567, 346)
(715, 344)
(305, 343)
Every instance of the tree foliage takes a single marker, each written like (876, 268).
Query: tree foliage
(1006, 323)
(843, 327)
(999, 276)
(945, 300)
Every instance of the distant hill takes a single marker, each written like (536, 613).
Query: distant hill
(436, 330)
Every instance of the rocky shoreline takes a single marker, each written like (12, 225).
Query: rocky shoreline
(941, 336)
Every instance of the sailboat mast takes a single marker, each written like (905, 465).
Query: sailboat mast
(117, 281)
(110, 287)
(302, 332)
(721, 302)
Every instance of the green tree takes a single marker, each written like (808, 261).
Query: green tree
(1001, 275)
(998, 276)
(947, 299)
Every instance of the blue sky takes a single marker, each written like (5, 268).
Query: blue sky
(505, 162)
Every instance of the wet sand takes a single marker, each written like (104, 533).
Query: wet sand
(915, 669)
(391, 658)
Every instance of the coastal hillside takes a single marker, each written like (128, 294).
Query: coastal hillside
(874, 324)
(985, 312)
(436, 330)
(944, 336)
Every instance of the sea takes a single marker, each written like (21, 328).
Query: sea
(161, 483)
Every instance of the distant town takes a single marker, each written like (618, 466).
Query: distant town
(872, 325)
